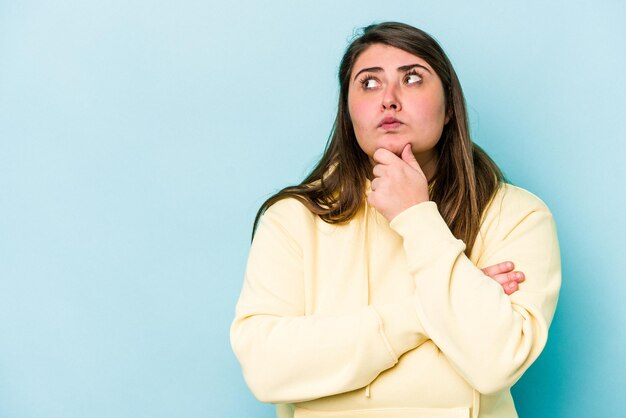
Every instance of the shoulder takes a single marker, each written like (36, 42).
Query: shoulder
(288, 216)
(510, 200)
(514, 208)
(288, 209)
(514, 218)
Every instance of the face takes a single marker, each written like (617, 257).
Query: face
(396, 98)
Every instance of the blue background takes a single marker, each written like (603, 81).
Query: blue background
(138, 138)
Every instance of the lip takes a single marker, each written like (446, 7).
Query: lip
(390, 123)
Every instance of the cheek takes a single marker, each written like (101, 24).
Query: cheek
(358, 113)
(360, 117)
(432, 110)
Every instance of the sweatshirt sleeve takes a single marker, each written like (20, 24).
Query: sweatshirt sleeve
(490, 338)
(288, 355)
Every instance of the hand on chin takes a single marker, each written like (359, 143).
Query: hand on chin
(396, 147)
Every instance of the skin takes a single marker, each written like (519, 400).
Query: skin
(412, 95)
(389, 82)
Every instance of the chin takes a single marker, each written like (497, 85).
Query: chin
(395, 147)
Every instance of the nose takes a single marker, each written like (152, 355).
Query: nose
(391, 100)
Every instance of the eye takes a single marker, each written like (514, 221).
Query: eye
(412, 77)
(369, 83)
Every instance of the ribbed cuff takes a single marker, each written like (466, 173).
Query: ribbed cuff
(424, 232)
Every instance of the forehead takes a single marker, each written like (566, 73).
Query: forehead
(386, 57)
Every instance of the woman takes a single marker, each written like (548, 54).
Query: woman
(364, 294)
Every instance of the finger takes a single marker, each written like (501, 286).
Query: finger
(384, 156)
(514, 276)
(375, 183)
(504, 267)
(518, 276)
(500, 278)
(409, 158)
(379, 170)
(510, 287)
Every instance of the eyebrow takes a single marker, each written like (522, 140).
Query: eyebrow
(379, 69)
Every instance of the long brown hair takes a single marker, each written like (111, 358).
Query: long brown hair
(465, 179)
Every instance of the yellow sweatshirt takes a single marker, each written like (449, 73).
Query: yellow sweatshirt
(391, 319)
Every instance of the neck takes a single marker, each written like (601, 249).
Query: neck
(428, 164)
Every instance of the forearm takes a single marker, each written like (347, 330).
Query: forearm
(289, 353)
(489, 337)
(299, 358)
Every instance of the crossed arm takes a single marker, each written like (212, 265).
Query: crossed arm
(489, 327)
(489, 335)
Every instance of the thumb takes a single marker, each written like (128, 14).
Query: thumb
(409, 158)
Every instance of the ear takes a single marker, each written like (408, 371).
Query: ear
(449, 105)
(448, 115)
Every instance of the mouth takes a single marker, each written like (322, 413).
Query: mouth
(389, 123)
